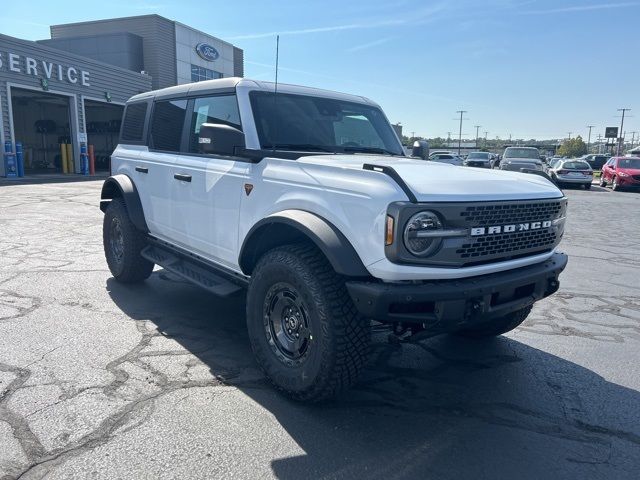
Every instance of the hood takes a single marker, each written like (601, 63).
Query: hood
(435, 181)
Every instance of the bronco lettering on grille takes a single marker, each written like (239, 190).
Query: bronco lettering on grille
(518, 227)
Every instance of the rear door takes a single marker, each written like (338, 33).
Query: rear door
(165, 134)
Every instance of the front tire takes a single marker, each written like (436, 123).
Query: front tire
(602, 181)
(615, 186)
(496, 326)
(122, 243)
(304, 329)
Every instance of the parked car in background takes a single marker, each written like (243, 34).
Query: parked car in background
(596, 161)
(571, 172)
(520, 159)
(620, 172)
(446, 158)
(550, 163)
(478, 159)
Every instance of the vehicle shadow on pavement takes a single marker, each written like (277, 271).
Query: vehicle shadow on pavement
(443, 408)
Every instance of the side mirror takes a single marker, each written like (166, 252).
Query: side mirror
(420, 149)
(219, 138)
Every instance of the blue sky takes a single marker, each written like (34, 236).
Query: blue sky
(527, 68)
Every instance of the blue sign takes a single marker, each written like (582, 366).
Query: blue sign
(207, 52)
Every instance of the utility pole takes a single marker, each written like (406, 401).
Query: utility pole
(413, 135)
(448, 139)
(589, 139)
(569, 135)
(633, 139)
(485, 139)
(623, 110)
(599, 143)
(461, 112)
(477, 130)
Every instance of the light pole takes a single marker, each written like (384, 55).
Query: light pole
(589, 138)
(485, 138)
(623, 110)
(569, 135)
(461, 112)
(477, 130)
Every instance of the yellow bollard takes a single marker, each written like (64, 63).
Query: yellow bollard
(63, 157)
(70, 164)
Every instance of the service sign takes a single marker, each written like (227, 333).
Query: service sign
(43, 69)
(207, 52)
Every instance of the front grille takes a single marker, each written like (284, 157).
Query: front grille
(508, 243)
(508, 213)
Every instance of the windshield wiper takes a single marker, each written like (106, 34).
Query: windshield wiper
(369, 150)
(303, 147)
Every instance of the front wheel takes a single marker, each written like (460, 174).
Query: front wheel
(304, 329)
(602, 183)
(122, 243)
(615, 186)
(496, 326)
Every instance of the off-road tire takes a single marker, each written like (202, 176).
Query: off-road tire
(496, 326)
(340, 337)
(125, 262)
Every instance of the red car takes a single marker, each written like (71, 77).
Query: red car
(621, 172)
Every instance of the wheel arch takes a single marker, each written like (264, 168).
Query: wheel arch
(121, 186)
(293, 226)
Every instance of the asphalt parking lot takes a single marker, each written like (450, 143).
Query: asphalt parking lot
(99, 380)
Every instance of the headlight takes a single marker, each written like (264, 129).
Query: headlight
(421, 236)
(623, 174)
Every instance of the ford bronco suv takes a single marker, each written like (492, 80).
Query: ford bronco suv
(305, 199)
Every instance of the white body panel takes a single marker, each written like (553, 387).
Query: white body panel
(212, 214)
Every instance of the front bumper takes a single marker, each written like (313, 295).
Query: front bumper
(449, 305)
(477, 163)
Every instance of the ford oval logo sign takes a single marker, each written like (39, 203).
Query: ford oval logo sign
(207, 52)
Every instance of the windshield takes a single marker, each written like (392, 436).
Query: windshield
(479, 155)
(303, 122)
(629, 163)
(576, 166)
(522, 153)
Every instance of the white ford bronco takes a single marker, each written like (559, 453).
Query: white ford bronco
(305, 199)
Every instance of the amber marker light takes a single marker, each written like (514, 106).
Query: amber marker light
(388, 236)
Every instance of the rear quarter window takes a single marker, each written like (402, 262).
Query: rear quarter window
(133, 122)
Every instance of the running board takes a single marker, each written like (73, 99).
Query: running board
(193, 271)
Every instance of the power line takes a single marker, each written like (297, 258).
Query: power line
(623, 110)
(477, 130)
(461, 112)
(589, 138)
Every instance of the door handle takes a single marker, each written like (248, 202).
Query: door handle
(142, 169)
(181, 177)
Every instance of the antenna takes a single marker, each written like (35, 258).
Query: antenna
(275, 99)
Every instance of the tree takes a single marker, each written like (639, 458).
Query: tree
(573, 148)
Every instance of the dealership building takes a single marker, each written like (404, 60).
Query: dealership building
(70, 90)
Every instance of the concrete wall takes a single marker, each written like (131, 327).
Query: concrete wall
(26, 64)
(158, 41)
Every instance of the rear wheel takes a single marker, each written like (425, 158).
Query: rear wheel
(496, 326)
(305, 331)
(587, 186)
(122, 243)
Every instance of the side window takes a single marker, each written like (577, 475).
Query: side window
(219, 109)
(133, 123)
(166, 124)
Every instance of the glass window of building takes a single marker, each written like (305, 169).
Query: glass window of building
(200, 73)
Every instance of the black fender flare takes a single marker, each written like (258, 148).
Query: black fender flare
(289, 226)
(122, 186)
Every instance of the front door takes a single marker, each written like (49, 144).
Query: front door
(207, 189)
